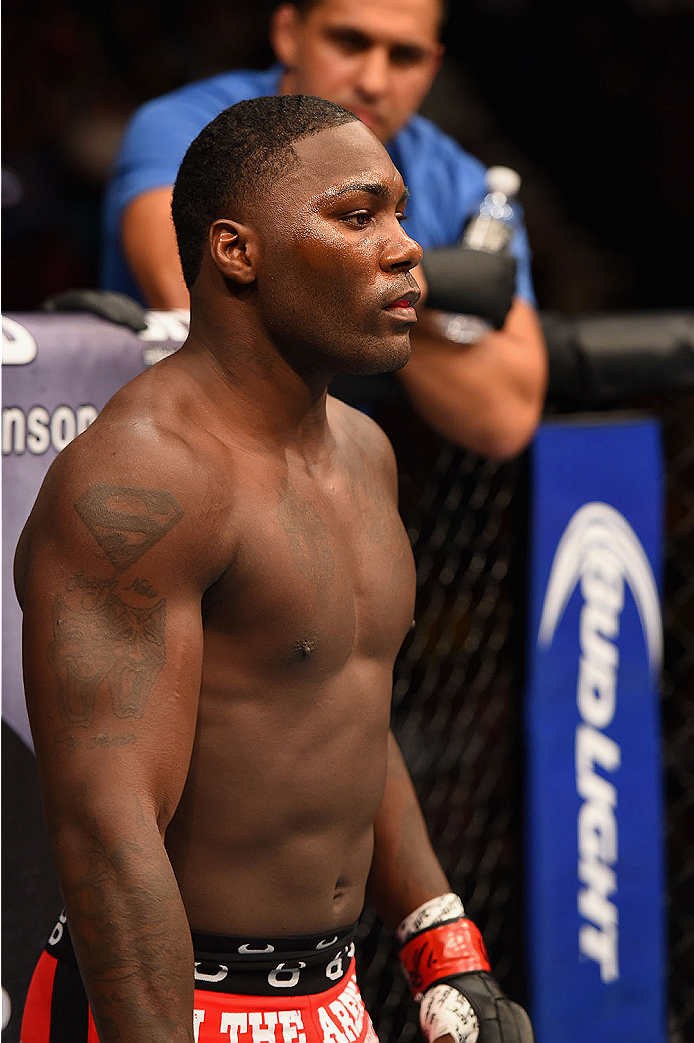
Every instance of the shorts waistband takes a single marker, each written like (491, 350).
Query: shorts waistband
(301, 965)
(265, 966)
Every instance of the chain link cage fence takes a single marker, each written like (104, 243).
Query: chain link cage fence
(457, 700)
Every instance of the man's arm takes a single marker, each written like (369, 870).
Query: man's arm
(487, 396)
(112, 658)
(149, 245)
(441, 949)
(405, 871)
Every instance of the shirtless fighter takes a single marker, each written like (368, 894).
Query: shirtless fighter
(215, 583)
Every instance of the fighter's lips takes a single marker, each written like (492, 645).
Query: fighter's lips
(408, 300)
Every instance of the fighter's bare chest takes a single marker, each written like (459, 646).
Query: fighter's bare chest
(323, 571)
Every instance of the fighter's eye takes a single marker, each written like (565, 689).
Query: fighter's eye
(359, 219)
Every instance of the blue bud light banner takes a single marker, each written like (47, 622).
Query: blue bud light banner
(594, 821)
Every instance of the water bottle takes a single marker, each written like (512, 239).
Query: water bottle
(490, 229)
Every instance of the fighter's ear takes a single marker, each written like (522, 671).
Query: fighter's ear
(233, 249)
(284, 34)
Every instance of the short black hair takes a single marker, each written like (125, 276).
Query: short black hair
(241, 151)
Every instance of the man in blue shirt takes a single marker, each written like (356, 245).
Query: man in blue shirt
(377, 58)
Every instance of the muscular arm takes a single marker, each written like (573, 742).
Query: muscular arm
(486, 396)
(406, 877)
(405, 872)
(149, 244)
(112, 656)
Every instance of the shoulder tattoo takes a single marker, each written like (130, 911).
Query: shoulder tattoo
(109, 635)
(127, 522)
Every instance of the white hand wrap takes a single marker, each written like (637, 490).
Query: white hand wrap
(435, 911)
(444, 1010)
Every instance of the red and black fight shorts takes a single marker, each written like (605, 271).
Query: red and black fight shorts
(247, 990)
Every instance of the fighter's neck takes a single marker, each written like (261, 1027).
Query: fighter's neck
(260, 394)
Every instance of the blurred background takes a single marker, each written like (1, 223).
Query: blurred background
(592, 102)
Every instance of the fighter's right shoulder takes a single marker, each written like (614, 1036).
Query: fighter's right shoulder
(133, 478)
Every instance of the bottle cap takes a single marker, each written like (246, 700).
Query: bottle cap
(503, 179)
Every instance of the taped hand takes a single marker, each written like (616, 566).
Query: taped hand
(447, 967)
(471, 1008)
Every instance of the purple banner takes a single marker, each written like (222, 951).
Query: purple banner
(58, 371)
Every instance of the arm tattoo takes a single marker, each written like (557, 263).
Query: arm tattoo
(127, 522)
(100, 638)
(105, 633)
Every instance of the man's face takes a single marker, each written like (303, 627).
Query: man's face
(376, 58)
(334, 285)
